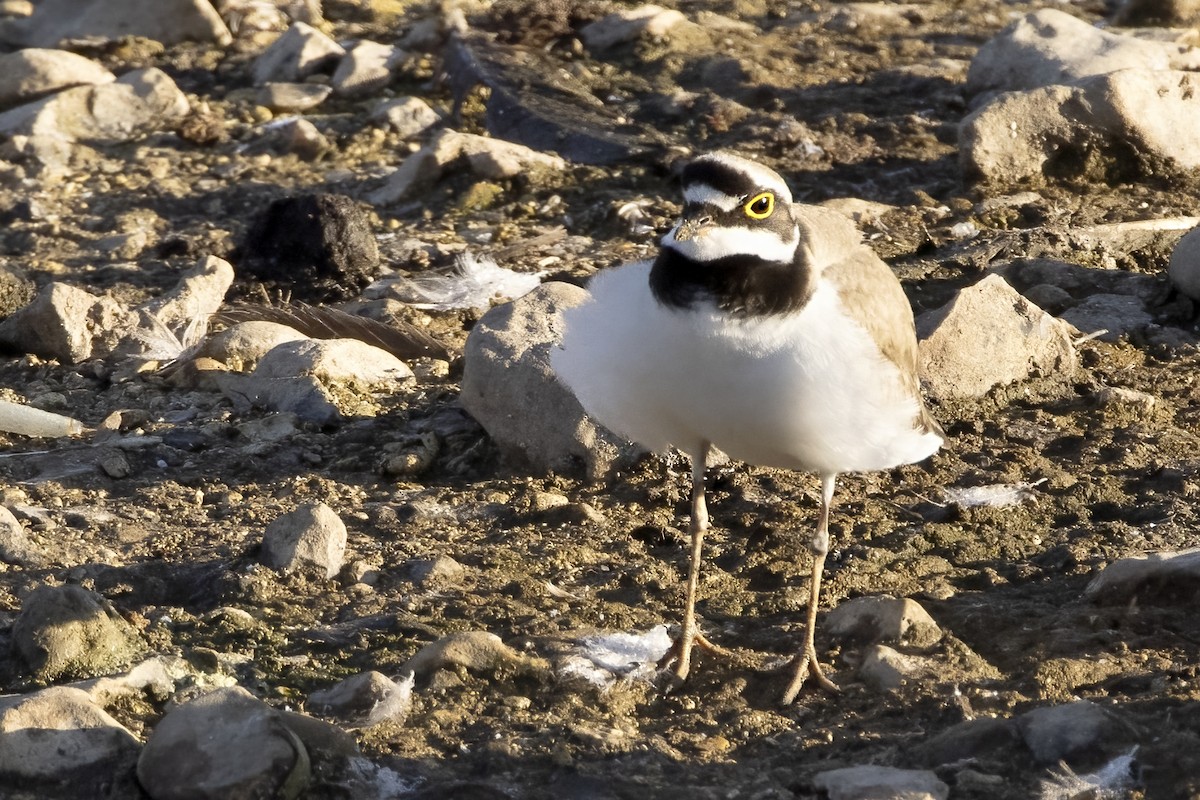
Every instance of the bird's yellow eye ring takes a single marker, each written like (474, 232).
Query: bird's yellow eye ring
(760, 206)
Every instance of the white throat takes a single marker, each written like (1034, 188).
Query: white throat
(713, 243)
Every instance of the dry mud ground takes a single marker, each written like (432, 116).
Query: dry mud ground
(178, 537)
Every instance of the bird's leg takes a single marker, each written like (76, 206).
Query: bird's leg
(680, 653)
(805, 663)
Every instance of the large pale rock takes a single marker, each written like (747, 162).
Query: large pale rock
(29, 74)
(366, 67)
(66, 323)
(225, 744)
(298, 53)
(882, 619)
(167, 21)
(1184, 269)
(1159, 110)
(884, 668)
(60, 735)
(68, 631)
(990, 336)
(1049, 46)
(139, 102)
(320, 380)
(488, 158)
(407, 116)
(1131, 121)
(242, 346)
(871, 782)
(311, 536)
(510, 388)
(1171, 577)
(629, 25)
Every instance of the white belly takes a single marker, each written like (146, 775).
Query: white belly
(809, 391)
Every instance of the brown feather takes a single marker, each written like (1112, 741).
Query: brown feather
(401, 339)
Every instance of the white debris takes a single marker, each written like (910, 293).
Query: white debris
(607, 657)
(997, 495)
(1110, 782)
(475, 282)
(29, 421)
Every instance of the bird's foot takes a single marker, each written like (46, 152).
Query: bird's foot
(803, 667)
(677, 661)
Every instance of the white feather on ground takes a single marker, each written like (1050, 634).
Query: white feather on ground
(1113, 781)
(475, 282)
(606, 658)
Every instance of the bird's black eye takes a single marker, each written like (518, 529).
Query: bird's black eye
(760, 206)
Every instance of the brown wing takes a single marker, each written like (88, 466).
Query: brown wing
(870, 293)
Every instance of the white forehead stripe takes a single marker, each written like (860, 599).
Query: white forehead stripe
(760, 175)
(707, 195)
(719, 242)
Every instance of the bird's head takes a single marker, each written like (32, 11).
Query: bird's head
(733, 206)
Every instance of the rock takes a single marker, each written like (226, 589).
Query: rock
(317, 246)
(296, 136)
(630, 25)
(298, 53)
(1017, 136)
(366, 68)
(166, 21)
(1169, 578)
(1184, 269)
(871, 782)
(506, 372)
(1077, 281)
(882, 619)
(990, 336)
(884, 668)
(59, 737)
(479, 652)
(1116, 314)
(872, 17)
(435, 573)
(68, 631)
(34, 72)
(1107, 127)
(243, 345)
(224, 744)
(971, 739)
(1130, 398)
(311, 536)
(196, 297)
(1049, 47)
(15, 547)
(320, 380)
(365, 700)
(491, 159)
(407, 116)
(139, 102)
(65, 323)
(1069, 732)
(292, 96)
(333, 361)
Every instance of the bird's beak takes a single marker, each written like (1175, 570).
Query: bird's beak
(692, 226)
